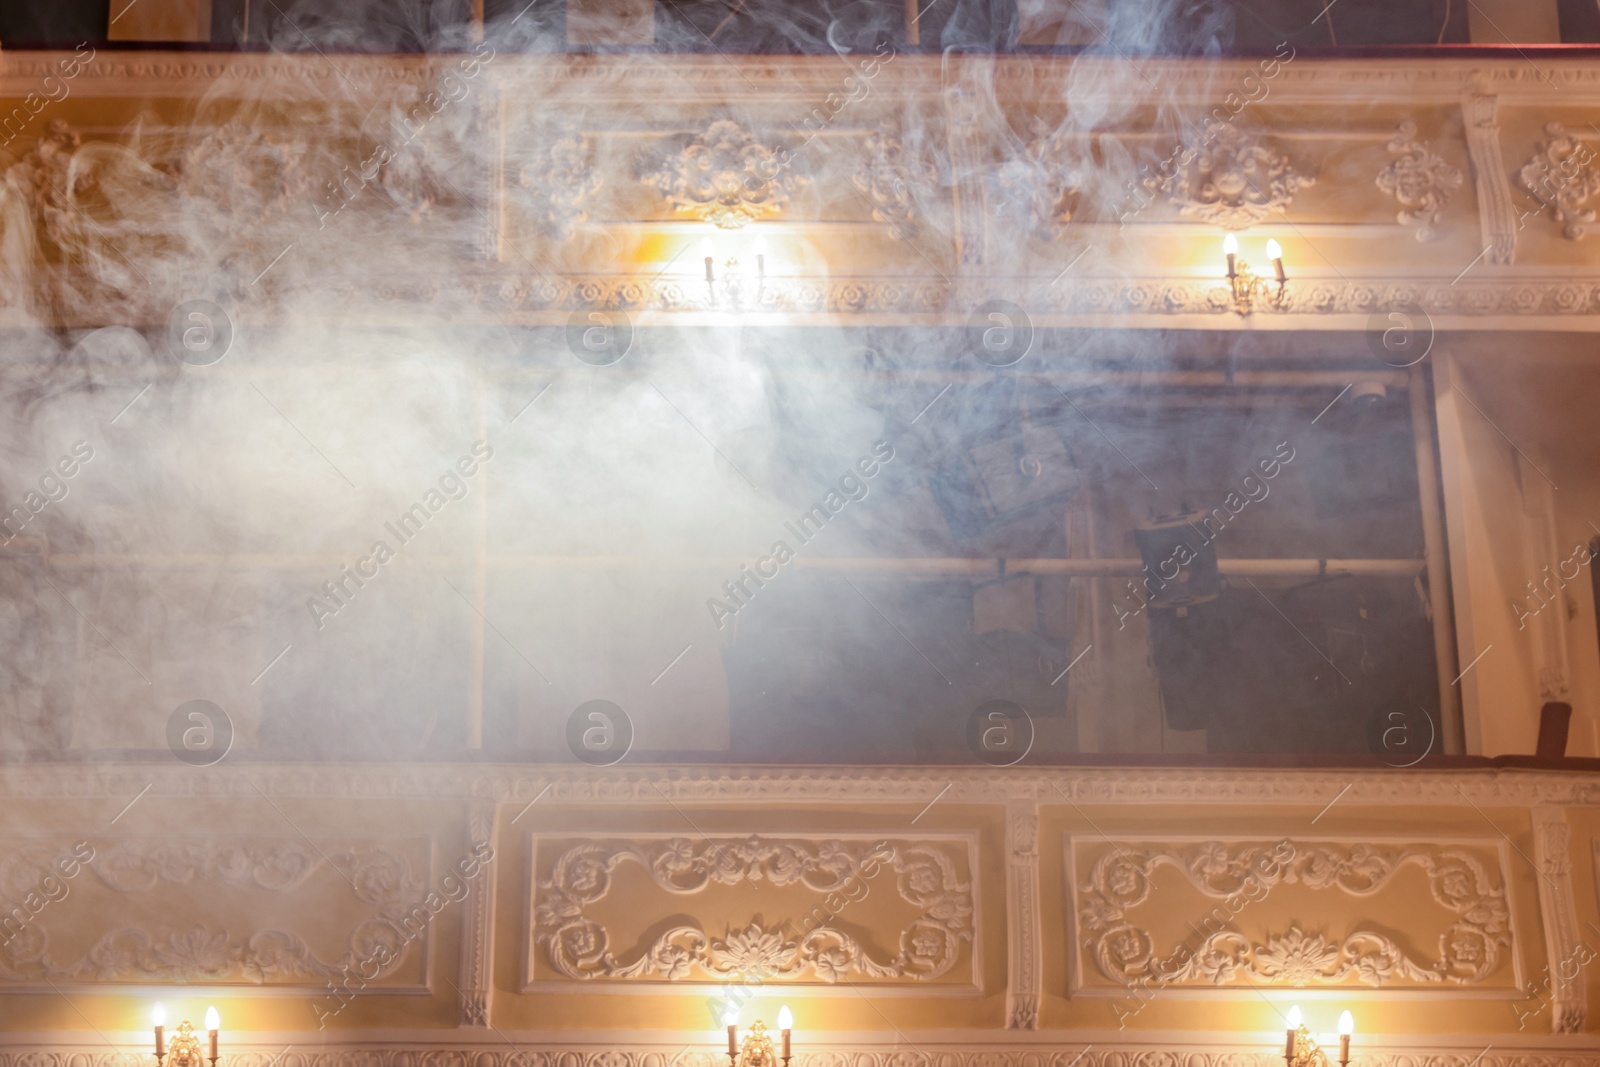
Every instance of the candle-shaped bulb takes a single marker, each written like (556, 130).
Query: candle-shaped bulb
(1290, 1039)
(707, 255)
(1230, 248)
(785, 1018)
(1294, 1018)
(1275, 253)
(213, 1020)
(159, 1018)
(1347, 1026)
(761, 256)
(730, 1018)
(159, 1015)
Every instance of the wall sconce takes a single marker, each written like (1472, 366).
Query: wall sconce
(185, 1047)
(756, 1049)
(727, 287)
(1300, 1049)
(1245, 286)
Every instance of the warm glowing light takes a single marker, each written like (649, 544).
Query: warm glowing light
(761, 245)
(213, 1020)
(1274, 249)
(705, 248)
(1230, 245)
(786, 1018)
(1294, 1017)
(730, 1017)
(1347, 1024)
(159, 1016)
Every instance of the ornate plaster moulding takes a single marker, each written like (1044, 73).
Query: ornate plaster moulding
(199, 948)
(561, 180)
(1566, 298)
(696, 79)
(1419, 179)
(1466, 880)
(881, 785)
(975, 1049)
(1042, 182)
(724, 176)
(1236, 181)
(929, 874)
(1560, 176)
(185, 75)
(894, 180)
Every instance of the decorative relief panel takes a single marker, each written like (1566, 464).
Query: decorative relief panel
(353, 903)
(811, 911)
(1419, 179)
(1043, 182)
(560, 180)
(891, 180)
(726, 177)
(1560, 178)
(1397, 915)
(1235, 181)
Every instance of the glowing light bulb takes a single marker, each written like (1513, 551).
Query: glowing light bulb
(1274, 249)
(159, 1016)
(761, 245)
(1230, 245)
(1294, 1017)
(1347, 1024)
(730, 1018)
(707, 255)
(786, 1024)
(213, 1020)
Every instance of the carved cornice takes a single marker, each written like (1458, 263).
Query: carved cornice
(187, 75)
(1114, 1050)
(1555, 296)
(882, 785)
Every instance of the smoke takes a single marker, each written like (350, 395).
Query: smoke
(286, 325)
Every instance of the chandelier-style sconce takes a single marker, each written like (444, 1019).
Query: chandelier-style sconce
(756, 1050)
(184, 1049)
(1245, 285)
(730, 287)
(1300, 1049)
